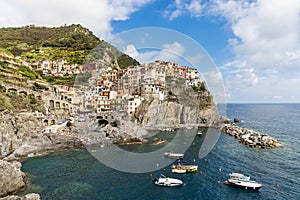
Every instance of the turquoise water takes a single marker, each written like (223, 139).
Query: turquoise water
(78, 175)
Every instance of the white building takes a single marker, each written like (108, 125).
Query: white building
(133, 104)
(161, 95)
(103, 104)
(150, 90)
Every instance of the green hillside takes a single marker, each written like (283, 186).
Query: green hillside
(72, 43)
(14, 71)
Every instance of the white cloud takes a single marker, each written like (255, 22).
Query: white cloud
(231, 10)
(171, 52)
(174, 10)
(241, 78)
(195, 8)
(131, 50)
(181, 7)
(266, 45)
(267, 34)
(197, 58)
(168, 52)
(214, 82)
(94, 14)
(268, 89)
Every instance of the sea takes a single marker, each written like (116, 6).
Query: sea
(77, 174)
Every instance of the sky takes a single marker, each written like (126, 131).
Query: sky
(254, 44)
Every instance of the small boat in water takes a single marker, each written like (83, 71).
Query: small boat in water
(166, 181)
(187, 168)
(174, 155)
(178, 171)
(199, 133)
(242, 181)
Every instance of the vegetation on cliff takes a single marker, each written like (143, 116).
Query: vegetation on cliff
(13, 102)
(14, 71)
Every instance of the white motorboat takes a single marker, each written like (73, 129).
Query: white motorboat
(174, 155)
(242, 181)
(199, 133)
(166, 181)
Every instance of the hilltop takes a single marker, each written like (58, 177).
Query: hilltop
(72, 43)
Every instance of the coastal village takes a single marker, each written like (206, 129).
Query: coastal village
(68, 105)
(111, 89)
(107, 91)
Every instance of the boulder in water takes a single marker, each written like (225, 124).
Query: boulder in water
(236, 120)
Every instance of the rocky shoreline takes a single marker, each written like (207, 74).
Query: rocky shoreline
(23, 136)
(251, 138)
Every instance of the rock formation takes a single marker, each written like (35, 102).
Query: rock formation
(236, 120)
(181, 107)
(22, 134)
(250, 138)
(11, 177)
(31, 196)
(126, 132)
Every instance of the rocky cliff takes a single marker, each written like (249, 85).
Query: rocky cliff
(182, 106)
(11, 177)
(22, 134)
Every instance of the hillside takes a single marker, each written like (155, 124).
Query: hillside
(72, 43)
(14, 71)
(23, 48)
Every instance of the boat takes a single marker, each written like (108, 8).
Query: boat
(174, 155)
(178, 171)
(191, 168)
(199, 133)
(187, 168)
(242, 181)
(166, 181)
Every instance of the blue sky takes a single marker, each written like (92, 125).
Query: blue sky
(255, 44)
